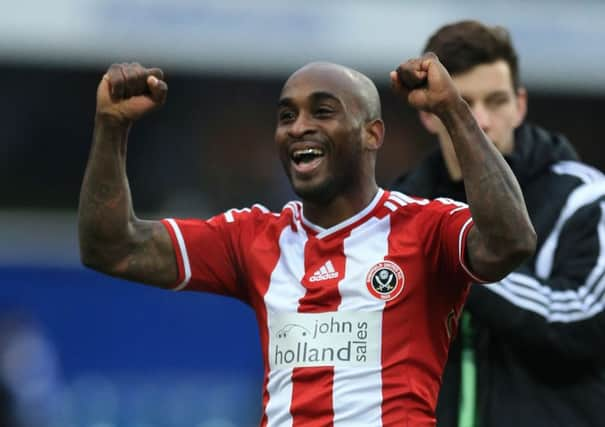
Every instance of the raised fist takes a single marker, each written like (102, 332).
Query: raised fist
(425, 83)
(129, 91)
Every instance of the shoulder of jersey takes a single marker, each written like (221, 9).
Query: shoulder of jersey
(399, 202)
(261, 212)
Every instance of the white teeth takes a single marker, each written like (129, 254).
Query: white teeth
(298, 154)
(313, 151)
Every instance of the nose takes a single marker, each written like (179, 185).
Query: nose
(482, 116)
(300, 127)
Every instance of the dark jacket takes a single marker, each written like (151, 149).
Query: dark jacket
(539, 334)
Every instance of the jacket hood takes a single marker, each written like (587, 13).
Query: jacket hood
(537, 150)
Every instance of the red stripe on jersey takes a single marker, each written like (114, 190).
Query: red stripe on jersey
(324, 268)
(264, 420)
(406, 356)
(312, 396)
(312, 402)
(414, 356)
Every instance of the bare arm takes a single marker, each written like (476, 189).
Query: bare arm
(112, 239)
(503, 235)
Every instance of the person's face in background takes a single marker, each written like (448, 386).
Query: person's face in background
(497, 106)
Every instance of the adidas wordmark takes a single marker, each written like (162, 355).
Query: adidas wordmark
(324, 273)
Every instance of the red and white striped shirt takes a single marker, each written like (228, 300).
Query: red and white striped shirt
(355, 320)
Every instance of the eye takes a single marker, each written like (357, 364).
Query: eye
(286, 115)
(468, 101)
(324, 111)
(497, 101)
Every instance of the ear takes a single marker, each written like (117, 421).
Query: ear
(521, 100)
(374, 130)
(430, 122)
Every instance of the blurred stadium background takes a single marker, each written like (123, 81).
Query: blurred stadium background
(81, 350)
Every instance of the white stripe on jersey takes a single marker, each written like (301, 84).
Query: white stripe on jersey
(283, 295)
(404, 199)
(278, 407)
(184, 254)
(462, 256)
(229, 214)
(357, 393)
(360, 257)
(357, 400)
(390, 206)
(294, 209)
(260, 207)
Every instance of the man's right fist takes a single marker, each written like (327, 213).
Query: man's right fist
(129, 91)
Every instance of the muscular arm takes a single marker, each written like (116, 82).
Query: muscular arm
(112, 239)
(503, 235)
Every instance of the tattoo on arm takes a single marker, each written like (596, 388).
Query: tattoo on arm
(503, 234)
(112, 239)
(152, 258)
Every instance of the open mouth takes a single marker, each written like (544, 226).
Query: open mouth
(306, 160)
(306, 155)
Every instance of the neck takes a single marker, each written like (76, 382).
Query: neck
(451, 160)
(340, 208)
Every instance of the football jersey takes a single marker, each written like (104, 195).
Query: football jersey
(355, 320)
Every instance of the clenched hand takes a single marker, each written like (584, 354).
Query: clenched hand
(129, 91)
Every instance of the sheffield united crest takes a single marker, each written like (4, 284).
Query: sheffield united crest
(385, 280)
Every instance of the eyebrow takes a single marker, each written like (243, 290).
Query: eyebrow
(315, 97)
(498, 93)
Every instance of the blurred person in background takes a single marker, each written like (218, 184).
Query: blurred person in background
(7, 406)
(354, 288)
(30, 383)
(531, 346)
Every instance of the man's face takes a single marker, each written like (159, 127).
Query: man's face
(319, 134)
(488, 90)
(498, 108)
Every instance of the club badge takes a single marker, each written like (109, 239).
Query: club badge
(385, 280)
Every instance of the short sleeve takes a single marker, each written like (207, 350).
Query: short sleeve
(207, 253)
(447, 224)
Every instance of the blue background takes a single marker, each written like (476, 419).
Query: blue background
(116, 340)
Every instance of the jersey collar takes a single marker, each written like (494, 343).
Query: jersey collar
(324, 232)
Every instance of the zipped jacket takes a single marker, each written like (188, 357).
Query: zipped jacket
(538, 336)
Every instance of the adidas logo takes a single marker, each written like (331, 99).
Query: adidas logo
(324, 273)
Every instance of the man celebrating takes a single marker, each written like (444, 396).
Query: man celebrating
(356, 290)
(537, 336)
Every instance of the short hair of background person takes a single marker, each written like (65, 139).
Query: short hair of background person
(464, 45)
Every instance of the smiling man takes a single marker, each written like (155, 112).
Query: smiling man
(329, 155)
(356, 289)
